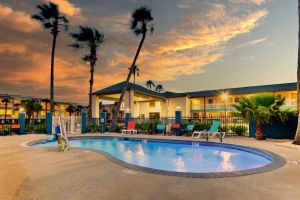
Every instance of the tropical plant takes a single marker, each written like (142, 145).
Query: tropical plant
(149, 84)
(262, 109)
(37, 108)
(31, 106)
(52, 19)
(140, 25)
(297, 135)
(70, 109)
(91, 39)
(159, 88)
(6, 101)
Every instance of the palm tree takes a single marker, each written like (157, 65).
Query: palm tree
(262, 109)
(149, 84)
(29, 106)
(297, 136)
(141, 18)
(6, 101)
(70, 109)
(91, 39)
(52, 19)
(37, 108)
(159, 88)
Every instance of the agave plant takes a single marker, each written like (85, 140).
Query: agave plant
(262, 109)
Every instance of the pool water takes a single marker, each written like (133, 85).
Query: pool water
(177, 157)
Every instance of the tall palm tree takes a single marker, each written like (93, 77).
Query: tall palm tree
(6, 101)
(297, 136)
(91, 39)
(52, 19)
(140, 25)
(159, 88)
(262, 109)
(149, 84)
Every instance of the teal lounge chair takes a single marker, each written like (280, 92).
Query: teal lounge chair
(161, 128)
(212, 132)
(189, 129)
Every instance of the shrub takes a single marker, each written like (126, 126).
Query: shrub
(239, 129)
(93, 128)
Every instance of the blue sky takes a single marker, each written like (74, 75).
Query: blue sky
(196, 45)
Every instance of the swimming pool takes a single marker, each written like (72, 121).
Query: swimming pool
(179, 157)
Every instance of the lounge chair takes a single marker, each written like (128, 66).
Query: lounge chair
(130, 128)
(212, 132)
(175, 128)
(161, 128)
(189, 129)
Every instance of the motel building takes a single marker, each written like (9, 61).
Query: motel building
(14, 106)
(144, 103)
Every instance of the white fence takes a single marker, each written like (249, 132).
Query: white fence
(71, 124)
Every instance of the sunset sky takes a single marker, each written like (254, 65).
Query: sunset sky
(196, 45)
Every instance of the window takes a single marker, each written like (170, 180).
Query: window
(210, 101)
(154, 115)
(236, 100)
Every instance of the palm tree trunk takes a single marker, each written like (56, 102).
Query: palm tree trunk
(115, 116)
(52, 73)
(91, 90)
(259, 132)
(297, 136)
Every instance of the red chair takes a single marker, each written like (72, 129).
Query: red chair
(130, 128)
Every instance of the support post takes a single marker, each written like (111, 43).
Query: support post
(127, 118)
(49, 123)
(22, 123)
(84, 122)
(103, 122)
(178, 120)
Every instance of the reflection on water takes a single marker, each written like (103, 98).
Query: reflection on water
(225, 162)
(172, 156)
(179, 164)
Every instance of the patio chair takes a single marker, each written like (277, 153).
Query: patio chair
(130, 128)
(212, 132)
(175, 128)
(161, 128)
(189, 129)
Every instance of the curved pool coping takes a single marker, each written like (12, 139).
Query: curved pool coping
(277, 160)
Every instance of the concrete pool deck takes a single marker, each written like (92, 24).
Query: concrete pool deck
(37, 173)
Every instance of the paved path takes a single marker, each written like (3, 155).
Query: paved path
(46, 174)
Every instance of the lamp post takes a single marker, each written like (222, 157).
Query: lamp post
(225, 97)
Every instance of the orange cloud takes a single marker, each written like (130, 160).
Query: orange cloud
(185, 49)
(67, 7)
(10, 49)
(17, 20)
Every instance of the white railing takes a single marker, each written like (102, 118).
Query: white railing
(72, 124)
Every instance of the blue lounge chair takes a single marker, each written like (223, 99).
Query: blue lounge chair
(212, 132)
(161, 128)
(189, 129)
